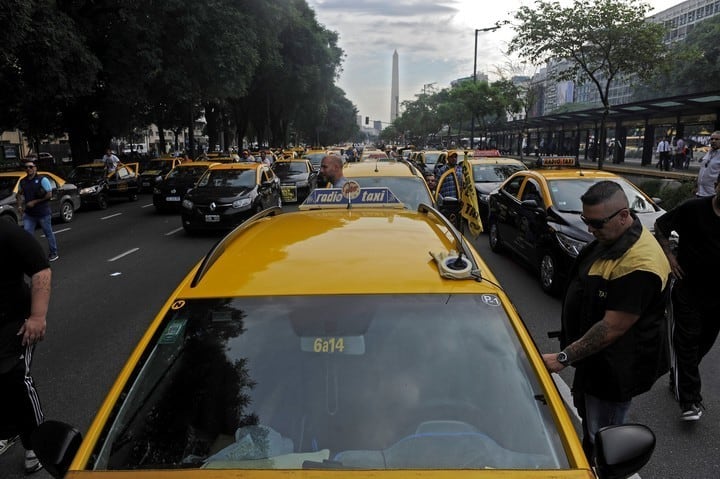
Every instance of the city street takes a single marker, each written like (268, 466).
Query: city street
(118, 266)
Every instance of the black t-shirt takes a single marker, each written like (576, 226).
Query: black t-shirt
(20, 255)
(698, 227)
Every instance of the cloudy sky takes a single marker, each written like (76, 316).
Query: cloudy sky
(434, 41)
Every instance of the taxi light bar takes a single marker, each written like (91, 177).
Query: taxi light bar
(351, 195)
(485, 153)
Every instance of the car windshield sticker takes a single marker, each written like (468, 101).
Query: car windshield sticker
(375, 197)
(354, 345)
(173, 331)
(490, 300)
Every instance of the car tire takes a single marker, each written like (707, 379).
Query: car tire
(548, 271)
(9, 218)
(494, 238)
(67, 212)
(102, 202)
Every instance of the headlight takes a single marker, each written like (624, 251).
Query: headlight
(241, 203)
(301, 184)
(187, 204)
(569, 244)
(158, 179)
(156, 191)
(90, 190)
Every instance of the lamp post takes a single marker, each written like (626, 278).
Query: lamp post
(497, 26)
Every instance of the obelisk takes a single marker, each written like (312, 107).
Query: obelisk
(394, 89)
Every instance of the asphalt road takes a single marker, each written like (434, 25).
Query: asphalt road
(118, 266)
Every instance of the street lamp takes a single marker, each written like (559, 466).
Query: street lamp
(497, 26)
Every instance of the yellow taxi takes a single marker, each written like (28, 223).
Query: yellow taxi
(488, 172)
(98, 186)
(403, 179)
(155, 170)
(429, 159)
(393, 353)
(536, 215)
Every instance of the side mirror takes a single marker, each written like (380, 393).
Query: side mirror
(56, 444)
(623, 450)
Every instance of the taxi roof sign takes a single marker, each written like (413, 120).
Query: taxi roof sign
(546, 161)
(374, 197)
(485, 153)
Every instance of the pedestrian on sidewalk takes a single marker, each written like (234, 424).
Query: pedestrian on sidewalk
(23, 310)
(709, 168)
(694, 298)
(663, 151)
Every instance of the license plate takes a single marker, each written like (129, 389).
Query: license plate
(212, 218)
(172, 198)
(145, 183)
(289, 193)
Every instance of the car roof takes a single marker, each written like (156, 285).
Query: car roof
(280, 245)
(571, 173)
(189, 164)
(494, 161)
(379, 168)
(246, 165)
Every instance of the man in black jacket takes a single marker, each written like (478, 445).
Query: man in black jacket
(613, 316)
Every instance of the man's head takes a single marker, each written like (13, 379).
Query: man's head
(452, 158)
(715, 140)
(31, 168)
(605, 211)
(108, 151)
(431, 181)
(331, 167)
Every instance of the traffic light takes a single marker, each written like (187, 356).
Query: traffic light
(367, 120)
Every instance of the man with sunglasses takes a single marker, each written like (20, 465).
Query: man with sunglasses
(694, 297)
(34, 197)
(613, 315)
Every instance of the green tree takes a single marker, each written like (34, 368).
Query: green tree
(690, 63)
(596, 40)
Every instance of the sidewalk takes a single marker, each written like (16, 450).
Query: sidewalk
(633, 165)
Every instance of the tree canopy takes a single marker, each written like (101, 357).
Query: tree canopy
(106, 68)
(594, 41)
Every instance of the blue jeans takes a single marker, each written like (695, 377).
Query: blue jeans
(596, 414)
(30, 223)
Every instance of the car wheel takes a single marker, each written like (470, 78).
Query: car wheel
(9, 218)
(494, 238)
(102, 202)
(549, 273)
(67, 212)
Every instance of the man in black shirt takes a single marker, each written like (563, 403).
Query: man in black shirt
(695, 300)
(22, 324)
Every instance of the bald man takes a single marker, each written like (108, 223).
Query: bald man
(331, 168)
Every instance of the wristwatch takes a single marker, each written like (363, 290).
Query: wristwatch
(563, 359)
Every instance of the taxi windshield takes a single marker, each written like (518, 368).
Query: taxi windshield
(287, 168)
(431, 158)
(87, 173)
(344, 382)
(411, 191)
(494, 173)
(228, 178)
(161, 165)
(187, 172)
(566, 194)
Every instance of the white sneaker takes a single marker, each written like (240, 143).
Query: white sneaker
(32, 463)
(6, 444)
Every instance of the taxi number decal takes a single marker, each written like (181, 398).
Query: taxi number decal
(490, 300)
(329, 345)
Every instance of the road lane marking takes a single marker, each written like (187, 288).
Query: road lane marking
(58, 231)
(131, 251)
(174, 231)
(145, 206)
(111, 216)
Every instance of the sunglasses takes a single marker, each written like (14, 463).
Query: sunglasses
(599, 223)
(30, 167)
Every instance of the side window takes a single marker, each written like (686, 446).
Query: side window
(121, 173)
(513, 187)
(531, 191)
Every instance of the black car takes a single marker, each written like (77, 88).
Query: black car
(228, 194)
(297, 178)
(535, 215)
(169, 193)
(64, 201)
(98, 187)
